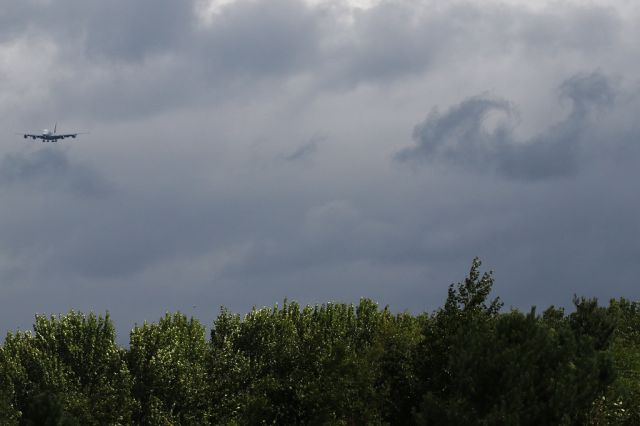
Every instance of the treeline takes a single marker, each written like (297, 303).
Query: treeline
(467, 363)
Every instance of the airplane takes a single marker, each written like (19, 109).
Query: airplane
(50, 136)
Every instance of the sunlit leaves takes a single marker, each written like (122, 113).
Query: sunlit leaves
(72, 364)
(167, 361)
(335, 363)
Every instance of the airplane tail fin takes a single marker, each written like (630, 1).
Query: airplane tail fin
(54, 128)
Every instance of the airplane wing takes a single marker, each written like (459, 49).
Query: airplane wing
(51, 137)
(68, 135)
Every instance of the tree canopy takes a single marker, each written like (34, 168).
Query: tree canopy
(469, 362)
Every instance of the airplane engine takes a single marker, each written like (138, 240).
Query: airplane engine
(25, 136)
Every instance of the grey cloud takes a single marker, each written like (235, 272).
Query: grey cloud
(204, 131)
(302, 153)
(396, 40)
(105, 30)
(50, 168)
(124, 94)
(305, 152)
(124, 60)
(587, 92)
(115, 29)
(238, 55)
(386, 42)
(13, 19)
(126, 239)
(106, 239)
(138, 231)
(577, 27)
(329, 234)
(267, 38)
(461, 137)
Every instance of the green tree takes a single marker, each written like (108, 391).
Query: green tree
(72, 365)
(168, 364)
(483, 367)
(336, 363)
(9, 413)
(46, 409)
(451, 359)
(392, 358)
(593, 328)
(317, 365)
(621, 405)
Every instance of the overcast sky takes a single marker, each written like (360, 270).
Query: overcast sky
(245, 151)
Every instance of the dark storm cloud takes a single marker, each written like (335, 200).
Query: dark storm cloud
(463, 137)
(245, 37)
(302, 153)
(134, 233)
(123, 60)
(51, 169)
(574, 27)
(587, 93)
(204, 127)
(138, 231)
(396, 40)
(336, 233)
(306, 151)
(104, 30)
(117, 30)
(13, 19)
(386, 42)
(458, 136)
(259, 39)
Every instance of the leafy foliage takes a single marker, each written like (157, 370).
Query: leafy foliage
(167, 361)
(621, 405)
(467, 363)
(292, 365)
(482, 367)
(72, 365)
